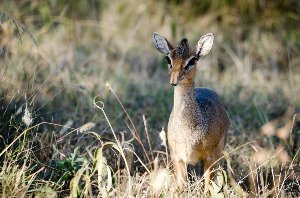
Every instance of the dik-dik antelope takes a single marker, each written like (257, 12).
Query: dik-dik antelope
(198, 123)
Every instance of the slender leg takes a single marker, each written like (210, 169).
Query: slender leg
(207, 174)
(181, 174)
(215, 155)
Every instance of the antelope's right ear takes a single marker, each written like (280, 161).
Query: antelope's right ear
(205, 44)
(161, 44)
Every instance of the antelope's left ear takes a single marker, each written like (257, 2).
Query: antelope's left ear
(205, 44)
(161, 44)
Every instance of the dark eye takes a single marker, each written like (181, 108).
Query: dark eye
(168, 61)
(191, 62)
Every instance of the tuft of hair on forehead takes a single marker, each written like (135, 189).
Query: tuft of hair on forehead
(184, 43)
(183, 49)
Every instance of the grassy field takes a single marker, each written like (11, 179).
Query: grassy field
(85, 97)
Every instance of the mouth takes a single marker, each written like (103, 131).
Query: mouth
(180, 79)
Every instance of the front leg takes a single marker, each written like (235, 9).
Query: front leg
(207, 175)
(181, 174)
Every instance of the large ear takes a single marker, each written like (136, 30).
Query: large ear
(205, 44)
(161, 43)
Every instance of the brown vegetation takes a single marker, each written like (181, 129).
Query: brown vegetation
(84, 96)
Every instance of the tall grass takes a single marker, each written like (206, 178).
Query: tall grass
(57, 139)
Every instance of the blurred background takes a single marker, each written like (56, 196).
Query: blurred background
(57, 55)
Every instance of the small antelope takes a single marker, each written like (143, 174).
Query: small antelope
(198, 123)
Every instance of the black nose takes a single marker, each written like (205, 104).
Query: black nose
(173, 84)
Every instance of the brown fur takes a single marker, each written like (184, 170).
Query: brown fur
(198, 123)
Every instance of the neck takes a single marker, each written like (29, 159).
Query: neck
(183, 94)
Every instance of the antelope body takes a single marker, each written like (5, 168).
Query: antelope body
(198, 123)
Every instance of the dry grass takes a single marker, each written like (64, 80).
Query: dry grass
(83, 104)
